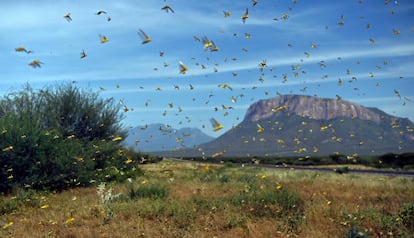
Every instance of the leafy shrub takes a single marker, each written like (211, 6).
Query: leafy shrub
(61, 137)
(391, 160)
(21, 198)
(399, 224)
(355, 232)
(406, 214)
(262, 199)
(155, 191)
(342, 170)
(210, 174)
(8, 205)
(234, 220)
(353, 222)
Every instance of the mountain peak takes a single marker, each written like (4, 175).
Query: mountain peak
(294, 125)
(309, 106)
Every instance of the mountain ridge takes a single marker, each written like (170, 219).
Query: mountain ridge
(158, 136)
(296, 125)
(309, 106)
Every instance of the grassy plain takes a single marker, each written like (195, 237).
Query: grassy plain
(173, 199)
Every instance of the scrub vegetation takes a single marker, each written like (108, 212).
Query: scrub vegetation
(176, 199)
(61, 137)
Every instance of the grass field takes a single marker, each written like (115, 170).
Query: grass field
(174, 199)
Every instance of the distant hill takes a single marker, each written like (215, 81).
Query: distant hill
(295, 125)
(157, 137)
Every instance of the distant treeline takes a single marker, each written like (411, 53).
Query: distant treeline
(403, 161)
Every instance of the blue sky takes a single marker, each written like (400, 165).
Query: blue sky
(151, 86)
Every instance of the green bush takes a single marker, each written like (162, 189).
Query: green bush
(342, 170)
(406, 214)
(264, 199)
(21, 199)
(8, 205)
(81, 113)
(213, 174)
(61, 137)
(356, 232)
(155, 191)
(391, 160)
(234, 220)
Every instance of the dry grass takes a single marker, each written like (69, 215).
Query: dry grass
(214, 201)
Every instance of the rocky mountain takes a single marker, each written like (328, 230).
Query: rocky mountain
(156, 137)
(295, 125)
(310, 107)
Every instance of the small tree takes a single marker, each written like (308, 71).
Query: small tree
(81, 113)
(61, 137)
